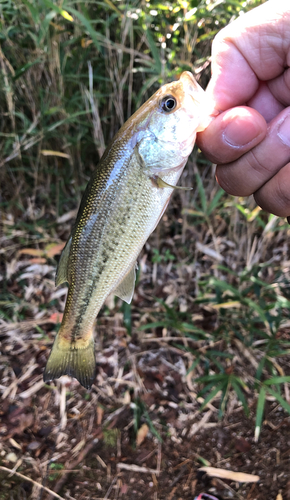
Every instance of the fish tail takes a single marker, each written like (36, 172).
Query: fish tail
(76, 359)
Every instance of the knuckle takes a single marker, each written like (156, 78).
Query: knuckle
(227, 180)
(283, 189)
(274, 196)
(258, 165)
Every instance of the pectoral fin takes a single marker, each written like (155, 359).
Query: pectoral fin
(162, 184)
(62, 273)
(125, 289)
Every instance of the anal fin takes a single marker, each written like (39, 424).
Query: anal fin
(62, 269)
(125, 289)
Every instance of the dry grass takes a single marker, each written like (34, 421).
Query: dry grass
(143, 378)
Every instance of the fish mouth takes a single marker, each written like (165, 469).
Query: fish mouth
(191, 85)
(203, 104)
(194, 91)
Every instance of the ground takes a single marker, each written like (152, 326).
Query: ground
(82, 444)
(146, 427)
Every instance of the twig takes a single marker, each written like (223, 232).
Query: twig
(159, 456)
(179, 476)
(62, 406)
(110, 488)
(25, 478)
(32, 390)
(12, 389)
(199, 425)
(137, 468)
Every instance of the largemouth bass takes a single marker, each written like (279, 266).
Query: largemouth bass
(121, 206)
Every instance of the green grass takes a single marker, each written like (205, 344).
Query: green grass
(62, 68)
(248, 298)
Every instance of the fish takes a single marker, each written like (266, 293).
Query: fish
(122, 204)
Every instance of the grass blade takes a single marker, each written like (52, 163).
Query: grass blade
(260, 412)
(277, 380)
(212, 394)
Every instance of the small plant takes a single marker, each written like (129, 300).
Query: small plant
(159, 258)
(264, 389)
(55, 467)
(222, 382)
(176, 321)
(141, 414)
(255, 314)
(127, 316)
(110, 437)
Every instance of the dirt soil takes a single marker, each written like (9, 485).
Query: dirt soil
(139, 433)
(83, 444)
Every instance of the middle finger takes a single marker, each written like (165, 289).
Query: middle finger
(247, 174)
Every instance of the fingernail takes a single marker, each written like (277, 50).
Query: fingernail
(241, 132)
(284, 131)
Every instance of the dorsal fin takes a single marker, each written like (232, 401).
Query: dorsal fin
(61, 273)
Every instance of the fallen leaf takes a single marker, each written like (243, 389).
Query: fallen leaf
(11, 457)
(227, 305)
(37, 260)
(32, 251)
(20, 422)
(242, 445)
(54, 249)
(33, 445)
(15, 444)
(100, 414)
(55, 318)
(141, 434)
(126, 398)
(66, 217)
(240, 477)
(124, 489)
(209, 252)
(49, 152)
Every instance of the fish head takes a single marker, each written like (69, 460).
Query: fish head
(181, 109)
(175, 113)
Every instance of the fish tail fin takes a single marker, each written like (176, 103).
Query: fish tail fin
(73, 359)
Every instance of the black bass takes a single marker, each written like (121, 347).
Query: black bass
(121, 206)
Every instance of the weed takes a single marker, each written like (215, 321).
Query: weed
(141, 414)
(55, 467)
(158, 257)
(110, 437)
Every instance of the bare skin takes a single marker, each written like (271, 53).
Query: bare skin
(250, 85)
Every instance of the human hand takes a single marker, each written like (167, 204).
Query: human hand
(250, 85)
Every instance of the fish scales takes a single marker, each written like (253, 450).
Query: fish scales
(124, 224)
(120, 208)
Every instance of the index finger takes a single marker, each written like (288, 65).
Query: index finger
(254, 48)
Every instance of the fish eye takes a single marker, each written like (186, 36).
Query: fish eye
(168, 103)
